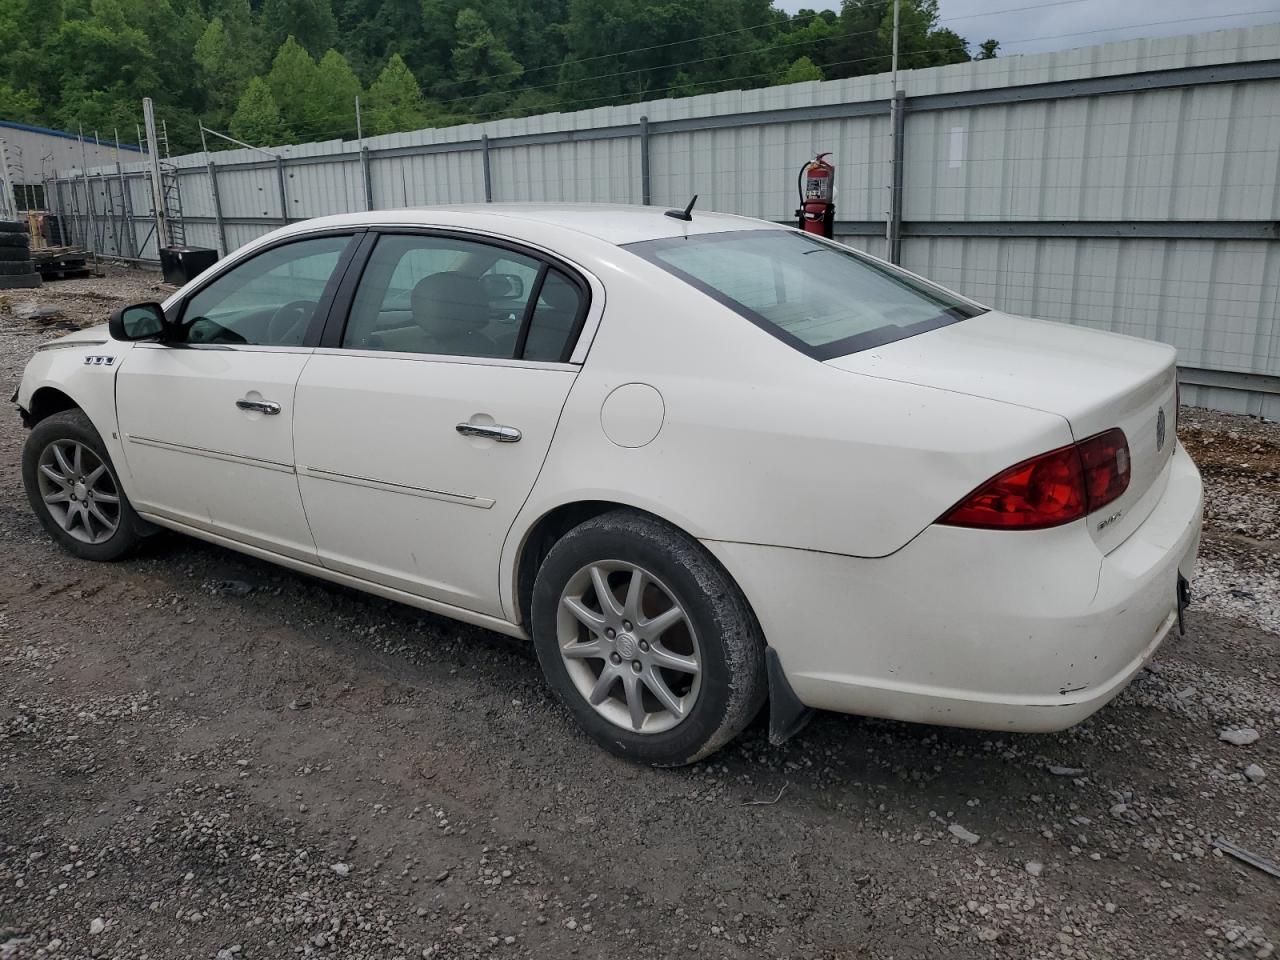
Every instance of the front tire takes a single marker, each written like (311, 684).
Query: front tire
(74, 490)
(647, 640)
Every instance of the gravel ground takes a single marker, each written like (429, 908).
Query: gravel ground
(202, 755)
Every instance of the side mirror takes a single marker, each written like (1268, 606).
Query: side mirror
(502, 286)
(137, 321)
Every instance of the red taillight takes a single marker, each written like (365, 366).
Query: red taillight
(1106, 467)
(1051, 489)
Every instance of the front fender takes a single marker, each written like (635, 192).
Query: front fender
(83, 369)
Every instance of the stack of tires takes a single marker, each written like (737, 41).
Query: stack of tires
(16, 268)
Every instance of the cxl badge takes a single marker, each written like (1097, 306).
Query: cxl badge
(1160, 430)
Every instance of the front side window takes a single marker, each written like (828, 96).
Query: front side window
(269, 300)
(820, 298)
(449, 296)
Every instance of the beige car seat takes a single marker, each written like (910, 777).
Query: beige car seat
(450, 314)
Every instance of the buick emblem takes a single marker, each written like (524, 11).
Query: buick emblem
(1160, 430)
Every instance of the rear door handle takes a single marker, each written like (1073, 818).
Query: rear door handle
(269, 407)
(495, 431)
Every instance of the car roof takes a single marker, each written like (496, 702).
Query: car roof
(613, 223)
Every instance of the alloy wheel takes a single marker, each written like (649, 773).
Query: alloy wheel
(79, 491)
(629, 646)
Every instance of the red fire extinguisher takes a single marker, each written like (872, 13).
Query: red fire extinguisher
(816, 184)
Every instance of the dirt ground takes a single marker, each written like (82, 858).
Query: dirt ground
(202, 755)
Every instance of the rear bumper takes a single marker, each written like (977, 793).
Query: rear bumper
(990, 629)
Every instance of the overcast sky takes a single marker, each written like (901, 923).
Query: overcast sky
(1045, 25)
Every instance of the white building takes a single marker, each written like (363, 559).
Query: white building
(34, 153)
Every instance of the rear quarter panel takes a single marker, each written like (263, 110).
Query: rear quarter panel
(759, 443)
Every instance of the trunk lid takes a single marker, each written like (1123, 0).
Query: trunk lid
(1093, 379)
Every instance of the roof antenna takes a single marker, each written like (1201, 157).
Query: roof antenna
(686, 214)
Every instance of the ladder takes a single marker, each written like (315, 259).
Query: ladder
(172, 192)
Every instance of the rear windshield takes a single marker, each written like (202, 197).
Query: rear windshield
(821, 298)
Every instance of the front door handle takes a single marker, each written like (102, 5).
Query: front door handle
(490, 431)
(269, 407)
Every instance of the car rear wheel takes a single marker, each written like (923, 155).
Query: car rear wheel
(647, 640)
(74, 490)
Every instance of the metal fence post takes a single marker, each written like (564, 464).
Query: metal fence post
(284, 197)
(484, 162)
(109, 208)
(48, 201)
(92, 213)
(367, 177)
(645, 196)
(63, 237)
(127, 212)
(217, 208)
(158, 211)
(895, 197)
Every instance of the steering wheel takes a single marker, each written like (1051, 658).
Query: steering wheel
(288, 325)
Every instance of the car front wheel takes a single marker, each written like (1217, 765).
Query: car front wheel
(647, 640)
(74, 490)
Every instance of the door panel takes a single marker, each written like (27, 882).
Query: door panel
(394, 493)
(207, 417)
(196, 457)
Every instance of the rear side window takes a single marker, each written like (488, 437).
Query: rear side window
(454, 296)
(555, 317)
(821, 298)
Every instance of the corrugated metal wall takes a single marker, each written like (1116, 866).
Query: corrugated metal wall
(1131, 186)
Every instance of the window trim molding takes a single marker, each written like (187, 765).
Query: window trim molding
(402, 355)
(339, 311)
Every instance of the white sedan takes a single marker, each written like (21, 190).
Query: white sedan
(703, 464)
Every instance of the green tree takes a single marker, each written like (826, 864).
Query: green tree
(372, 30)
(987, 50)
(293, 80)
(810, 34)
(64, 63)
(944, 46)
(223, 71)
(666, 48)
(18, 104)
(920, 42)
(334, 101)
(395, 100)
(801, 70)
(854, 48)
(97, 73)
(482, 64)
(310, 22)
(257, 117)
(245, 35)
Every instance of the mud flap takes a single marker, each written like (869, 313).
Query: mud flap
(1184, 601)
(787, 715)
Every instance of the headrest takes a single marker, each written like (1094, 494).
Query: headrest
(446, 299)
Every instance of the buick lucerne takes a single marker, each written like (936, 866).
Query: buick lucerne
(701, 464)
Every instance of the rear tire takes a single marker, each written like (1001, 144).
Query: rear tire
(74, 490)
(683, 644)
